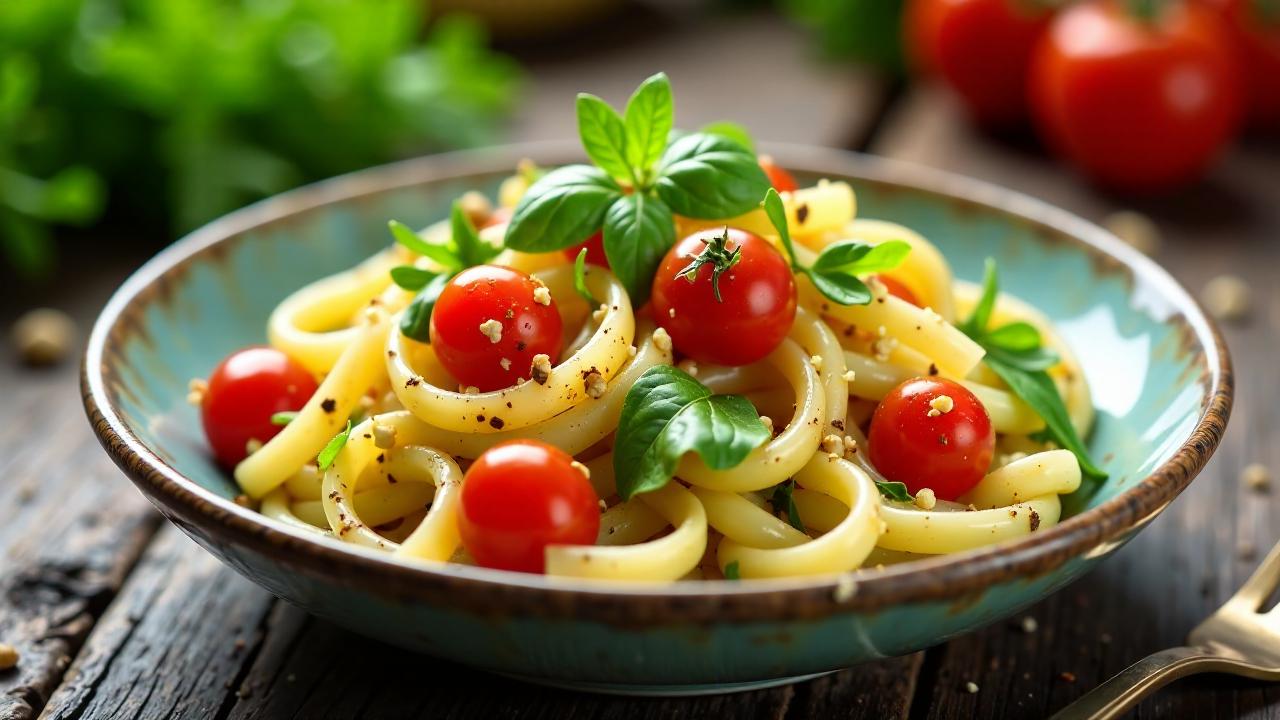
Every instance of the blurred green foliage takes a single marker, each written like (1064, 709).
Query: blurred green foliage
(868, 31)
(175, 111)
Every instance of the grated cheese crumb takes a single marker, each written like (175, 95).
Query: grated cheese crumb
(505, 363)
(595, 384)
(196, 391)
(884, 347)
(492, 329)
(384, 436)
(586, 471)
(470, 390)
(941, 405)
(542, 295)
(662, 339)
(834, 445)
(540, 370)
(767, 422)
(1257, 477)
(850, 375)
(926, 499)
(816, 362)
(1227, 297)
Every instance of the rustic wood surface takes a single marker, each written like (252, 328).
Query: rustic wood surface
(119, 615)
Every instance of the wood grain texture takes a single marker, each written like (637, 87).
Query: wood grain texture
(1198, 552)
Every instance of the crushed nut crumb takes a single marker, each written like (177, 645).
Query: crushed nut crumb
(492, 329)
(767, 422)
(542, 295)
(594, 384)
(505, 363)
(384, 436)
(941, 405)
(662, 339)
(540, 370)
(816, 362)
(926, 499)
(850, 376)
(833, 445)
(469, 390)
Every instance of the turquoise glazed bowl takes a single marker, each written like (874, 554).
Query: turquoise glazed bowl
(1159, 370)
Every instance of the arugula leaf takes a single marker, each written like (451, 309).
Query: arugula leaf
(783, 500)
(1038, 390)
(411, 278)
(731, 131)
(440, 254)
(580, 278)
(561, 209)
(604, 136)
(415, 323)
(638, 230)
(471, 250)
(668, 413)
(331, 450)
(283, 418)
(709, 176)
(649, 117)
(894, 491)
(731, 571)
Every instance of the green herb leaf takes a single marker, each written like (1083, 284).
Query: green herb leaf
(857, 258)
(783, 500)
(604, 136)
(649, 117)
(708, 176)
(777, 214)
(415, 323)
(283, 418)
(668, 413)
(1032, 360)
(1015, 337)
(731, 131)
(440, 254)
(731, 571)
(977, 323)
(411, 278)
(330, 451)
(894, 491)
(638, 230)
(580, 278)
(472, 251)
(840, 287)
(563, 208)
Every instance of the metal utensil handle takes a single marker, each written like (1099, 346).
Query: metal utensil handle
(1113, 697)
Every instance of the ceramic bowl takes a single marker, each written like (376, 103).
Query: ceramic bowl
(1159, 370)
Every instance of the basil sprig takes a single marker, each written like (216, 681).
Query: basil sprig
(668, 413)
(836, 269)
(894, 490)
(783, 500)
(640, 178)
(465, 249)
(1015, 353)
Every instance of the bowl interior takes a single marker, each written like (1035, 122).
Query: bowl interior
(1148, 370)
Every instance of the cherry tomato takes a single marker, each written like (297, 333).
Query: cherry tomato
(1139, 105)
(595, 250)
(916, 440)
(245, 390)
(753, 313)
(897, 289)
(521, 496)
(1255, 33)
(779, 178)
(979, 48)
(488, 325)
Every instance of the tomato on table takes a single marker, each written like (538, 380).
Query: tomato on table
(1139, 104)
(897, 289)
(724, 296)
(980, 49)
(244, 391)
(490, 322)
(779, 177)
(595, 250)
(932, 433)
(521, 496)
(1254, 26)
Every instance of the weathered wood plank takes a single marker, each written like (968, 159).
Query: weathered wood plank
(1196, 554)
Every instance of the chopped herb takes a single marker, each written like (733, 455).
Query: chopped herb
(580, 278)
(894, 491)
(283, 418)
(783, 500)
(330, 451)
(731, 571)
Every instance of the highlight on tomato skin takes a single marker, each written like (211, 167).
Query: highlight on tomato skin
(243, 392)
(755, 307)
(520, 497)
(489, 325)
(932, 433)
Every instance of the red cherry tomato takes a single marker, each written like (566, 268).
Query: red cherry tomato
(979, 48)
(1138, 105)
(521, 496)
(595, 250)
(898, 290)
(755, 310)
(487, 327)
(245, 390)
(948, 452)
(1255, 33)
(779, 178)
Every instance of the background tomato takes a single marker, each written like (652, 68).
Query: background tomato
(595, 250)
(1137, 104)
(897, 289)
(521, 496)
(1254, 26)
(948, 452)
(245, 390)
(779, 177)
(979, 48)
(488, 325)
(753, 313)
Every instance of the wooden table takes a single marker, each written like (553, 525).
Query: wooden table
(118, 614)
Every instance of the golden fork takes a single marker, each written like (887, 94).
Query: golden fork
(1237, 639)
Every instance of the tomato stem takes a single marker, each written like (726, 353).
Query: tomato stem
(716, 254)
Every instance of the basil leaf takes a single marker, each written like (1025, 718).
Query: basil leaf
(731, 131)
(638, 230)
(783, 500)
(777, 214)
(981, 317)
(858, 258)
(668, 413)
(710, 177)
(1029, 360)
(563, 208)
(442, 255)
(472, 251)
(840, 287)
(411, 278)
(580, 278)
(894, 491)
(731, 571)
(649, 117)
(1037, 389)
(283, 418)
(415, 323)
(604, 136)
(1015, 337)
(331, 450)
